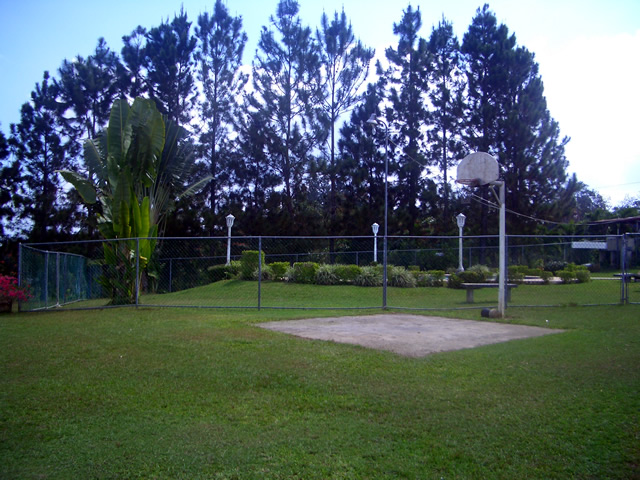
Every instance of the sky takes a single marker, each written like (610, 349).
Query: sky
(588, 52)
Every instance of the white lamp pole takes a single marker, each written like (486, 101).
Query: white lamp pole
(373, 120)
(375, 227)
(460, 221)
(230, 219)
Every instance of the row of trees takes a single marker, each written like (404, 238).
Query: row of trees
(287, 145)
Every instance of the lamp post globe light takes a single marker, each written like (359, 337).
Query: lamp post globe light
(230, 219)
(373, 120)
(460, 218)
(375, 227)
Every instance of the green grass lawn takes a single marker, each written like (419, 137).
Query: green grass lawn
(237, 293)
(194, 394)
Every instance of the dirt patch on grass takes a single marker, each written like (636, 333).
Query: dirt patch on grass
(408, 335)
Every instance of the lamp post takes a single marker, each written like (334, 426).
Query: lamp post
(230, 219)
(460, 218)
(375, 227)
(373, 120)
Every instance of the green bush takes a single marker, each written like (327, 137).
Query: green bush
(454, 281)
(567, 276)
(279, 269)
(267, 273)
(470, 276)
(545, 275)
(555, 266)
(326, 275)
(516, 273)
(436, 278)
(302, 272)
(400, 277)
(218, 272)
(583, 275)
(481, 272)
(249, 263)
(369, 277)
(347, 273)
(432, 278)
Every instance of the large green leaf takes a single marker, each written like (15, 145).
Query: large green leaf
(119, 131)
(94, 152)
(84, 187)
(122, 197)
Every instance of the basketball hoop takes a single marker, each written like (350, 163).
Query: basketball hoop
(478, 169)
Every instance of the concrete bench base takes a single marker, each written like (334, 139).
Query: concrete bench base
(471, 287)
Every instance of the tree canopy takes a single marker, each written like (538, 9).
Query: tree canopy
(285, 143)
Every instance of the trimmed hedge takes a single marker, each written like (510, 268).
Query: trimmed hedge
(279, 269)
(369, 277)
(302, 272)
(249, 263)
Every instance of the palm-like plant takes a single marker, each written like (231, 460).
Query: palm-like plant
(136, 167)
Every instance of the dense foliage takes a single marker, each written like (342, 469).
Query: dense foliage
(270, 140)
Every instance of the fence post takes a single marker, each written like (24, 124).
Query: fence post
(259, 271)
(20, 273)
(624, 289)
(57, 279)
(137, 270)
(46, 279)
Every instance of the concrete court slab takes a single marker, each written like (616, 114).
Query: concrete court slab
(407, 335)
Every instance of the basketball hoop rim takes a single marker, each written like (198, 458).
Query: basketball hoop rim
(469, 182)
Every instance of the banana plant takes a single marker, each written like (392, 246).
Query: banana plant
(135, 168)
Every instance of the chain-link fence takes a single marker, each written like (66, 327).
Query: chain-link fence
(331, 272)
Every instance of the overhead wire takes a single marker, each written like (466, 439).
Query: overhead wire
(494, 205)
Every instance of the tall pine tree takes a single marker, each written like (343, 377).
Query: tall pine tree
(345, 67)
(221, 43)
(36, 142)
(169, 62)
(407, 76)
(446, 96)
(286, 80)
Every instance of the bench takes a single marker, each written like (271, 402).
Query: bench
(470, 287)
(628, 277)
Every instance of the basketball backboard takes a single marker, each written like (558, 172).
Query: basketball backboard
(478, 168)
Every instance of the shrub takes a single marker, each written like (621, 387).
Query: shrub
(369, 277)
(516, 273)
(566, 276)
(267, 273)
(279, 269)
(583, 275)
(432, 278)
(470, 276)
(481, 272)
(249, 263)
(436, 278)
(454, 281)
(347, 273)
(302, 272)
(545, 275)
(400, 277)
(326, 275)
(555, 266)
(10, 290)
(218, 272)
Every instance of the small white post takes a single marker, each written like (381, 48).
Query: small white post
(230, 219)
(460, 221)
(375, 227)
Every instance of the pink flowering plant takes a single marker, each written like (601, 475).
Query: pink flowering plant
(10, 290)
